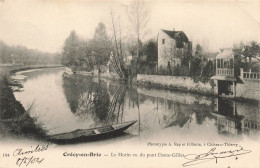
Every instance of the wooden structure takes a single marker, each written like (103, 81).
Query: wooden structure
(225, 78)
(92, 134)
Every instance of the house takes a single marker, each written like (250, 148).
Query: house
(225, 77)
(173, 47)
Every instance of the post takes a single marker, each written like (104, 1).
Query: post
(234, 89)
(241, 73)
(250, 72)
(216, 88)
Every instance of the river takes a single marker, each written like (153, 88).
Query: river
(64, 103)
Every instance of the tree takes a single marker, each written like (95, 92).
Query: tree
(24, 56)
(100, 46)
(84, 56)
(198, 50)
(139, 15)
(117, 54)
(70, 50)
(150, 49)
(249, 50)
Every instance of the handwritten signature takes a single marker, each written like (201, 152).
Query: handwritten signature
(212, 154)
(24, 159)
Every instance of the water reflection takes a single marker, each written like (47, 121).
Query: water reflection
(65, 103)
(234, 117)
(89, 97)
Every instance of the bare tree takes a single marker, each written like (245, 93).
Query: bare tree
(117, 56)
(139, 15)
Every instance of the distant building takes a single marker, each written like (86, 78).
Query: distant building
(173, 46)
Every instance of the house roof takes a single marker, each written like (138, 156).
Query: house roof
(225, 53)
(177, 34)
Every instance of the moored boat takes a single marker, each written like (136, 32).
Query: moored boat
(83, 73)
(80, 135)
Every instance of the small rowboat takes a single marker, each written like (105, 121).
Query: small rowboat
(82, 135)
(83, 73)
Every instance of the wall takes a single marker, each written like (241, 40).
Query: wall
(166, 50)
(175, 82)
(250, 89)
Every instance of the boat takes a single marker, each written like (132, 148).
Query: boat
(83, 73)
(68, 71)
(82, 135)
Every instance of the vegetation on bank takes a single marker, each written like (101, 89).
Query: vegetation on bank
(14, 118)
(120, 49)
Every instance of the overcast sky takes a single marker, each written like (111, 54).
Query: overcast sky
(44, 25)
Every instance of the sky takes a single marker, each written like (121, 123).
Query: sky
(45, 24)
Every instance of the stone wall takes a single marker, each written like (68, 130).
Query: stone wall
(250, 89)
(175, 82)
(168, 52)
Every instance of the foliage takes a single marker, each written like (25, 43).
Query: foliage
(25, 56)
(150, 49)
(198, 50)
(70, 50)
(101, 46)
(249, 50)
(195, 67)
(83, 55)
(208, 70)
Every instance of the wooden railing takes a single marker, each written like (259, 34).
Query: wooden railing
(249, 75)
(225, 72)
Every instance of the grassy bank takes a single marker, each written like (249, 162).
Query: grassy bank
(13, 69)
(14, 118)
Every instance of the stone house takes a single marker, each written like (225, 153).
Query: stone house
(173, 48)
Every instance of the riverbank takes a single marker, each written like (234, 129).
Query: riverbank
(179, 83)
(14, 119)
(15, 68)
(246, 91)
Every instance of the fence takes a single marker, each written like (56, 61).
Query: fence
(225, 72)
(249, 75)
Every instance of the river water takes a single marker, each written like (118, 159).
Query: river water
(64, 103)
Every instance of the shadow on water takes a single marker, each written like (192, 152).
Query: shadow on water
(89, 98)
(236, 117)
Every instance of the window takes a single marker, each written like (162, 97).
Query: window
(231, 63)
(222, 63)
(163, 41)
(226, 64)
(218, 63)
